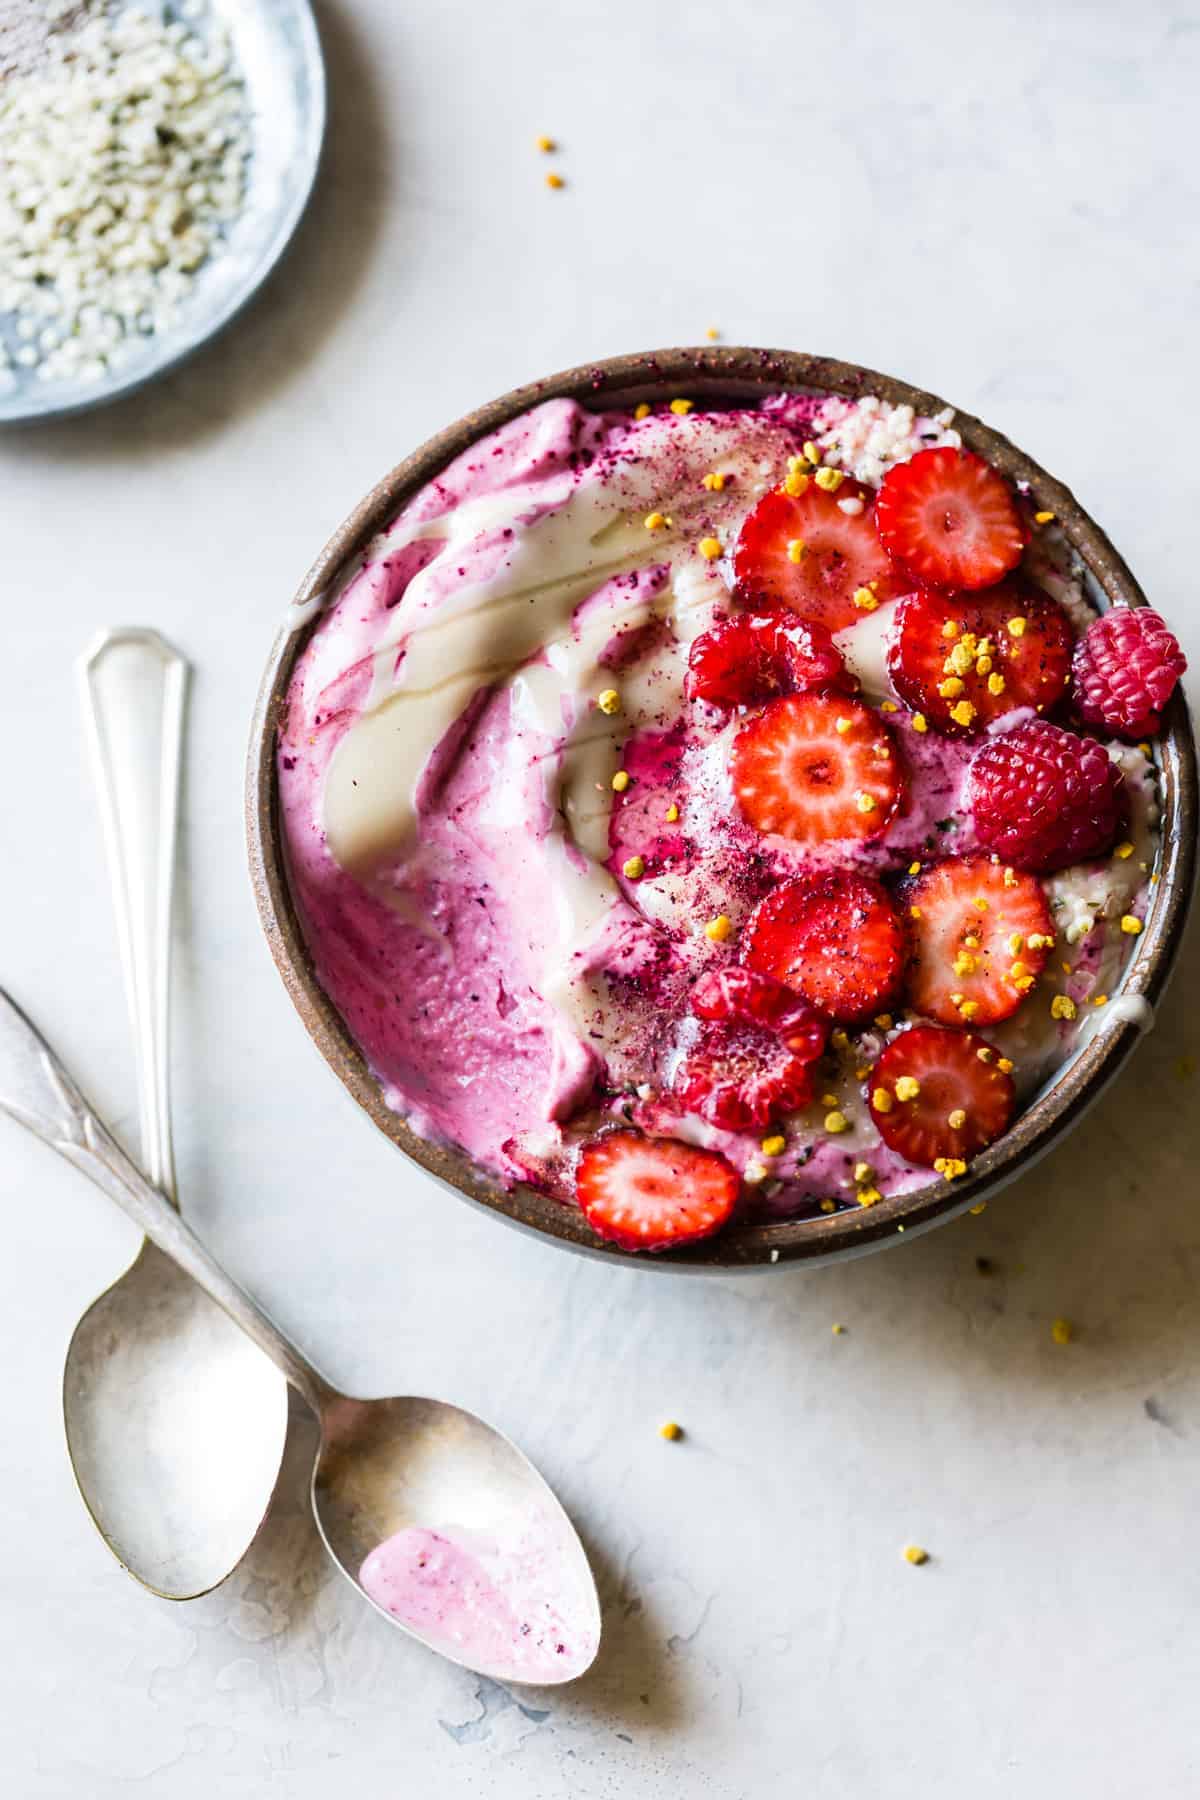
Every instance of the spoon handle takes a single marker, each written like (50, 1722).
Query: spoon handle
(36, 1091)
(134, 688)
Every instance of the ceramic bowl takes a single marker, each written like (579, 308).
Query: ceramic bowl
(725, 375)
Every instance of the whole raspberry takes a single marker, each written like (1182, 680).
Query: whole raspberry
(1042, 798)
(740, 1077)
(1125, 668)
(753, 656)
(737, 996)
(755, 1053)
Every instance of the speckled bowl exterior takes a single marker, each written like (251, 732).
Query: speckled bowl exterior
(723, 375)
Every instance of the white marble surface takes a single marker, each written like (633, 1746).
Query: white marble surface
(997, 201)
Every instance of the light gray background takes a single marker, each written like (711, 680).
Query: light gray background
(996, 200)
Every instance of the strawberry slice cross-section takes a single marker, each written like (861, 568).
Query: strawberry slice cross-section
(980, 935)
(833, 939)
(654, 1193)
(816, 768)
(965, 660)
(949, 517)
(812, 552)
(938, 1097)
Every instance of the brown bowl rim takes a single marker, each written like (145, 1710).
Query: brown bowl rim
(722, 373)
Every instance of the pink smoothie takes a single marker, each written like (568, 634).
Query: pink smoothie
(498, 1613)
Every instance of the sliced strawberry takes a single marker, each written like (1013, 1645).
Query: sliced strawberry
(835, 939)
(653, 1193)
(840, 553)
(753, 656)
(966, 660)
(817, 768)
(950, 518)
(958, 1077)
(980, 935)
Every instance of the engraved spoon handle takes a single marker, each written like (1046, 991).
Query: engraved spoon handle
(37, 1091)
(134, 687)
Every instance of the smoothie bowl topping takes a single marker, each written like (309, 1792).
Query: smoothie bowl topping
(712, 815)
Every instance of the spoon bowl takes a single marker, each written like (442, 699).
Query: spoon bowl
(175, 1427)
(447, 1528)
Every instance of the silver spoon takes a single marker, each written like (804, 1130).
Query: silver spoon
(466, 1546)
(175, 1424)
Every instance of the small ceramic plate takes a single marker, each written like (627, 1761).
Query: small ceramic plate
(276, 47)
